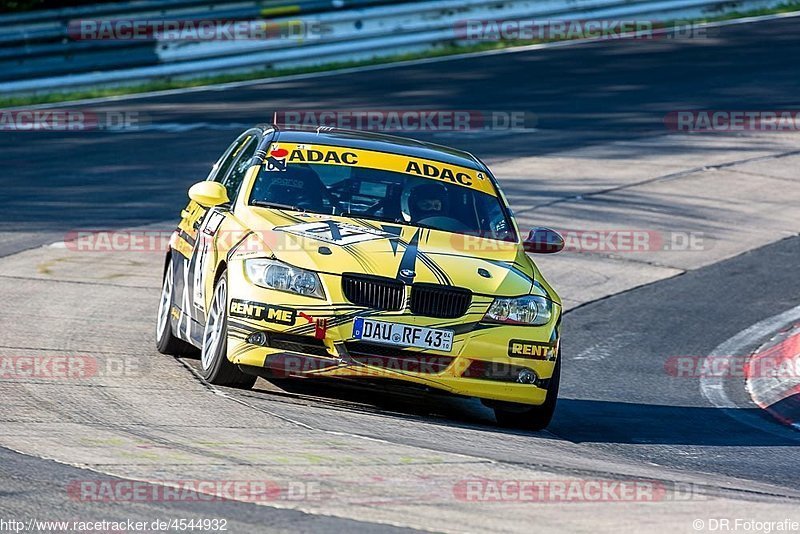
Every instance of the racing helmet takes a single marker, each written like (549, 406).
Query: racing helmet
(428, 200)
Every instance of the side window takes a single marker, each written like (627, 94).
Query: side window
(234, 178)
(223, 165)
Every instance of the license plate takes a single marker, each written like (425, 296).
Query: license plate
(403, 334)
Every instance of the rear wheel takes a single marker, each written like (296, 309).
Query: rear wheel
(216, 368)
(166, 341)
(513, 415)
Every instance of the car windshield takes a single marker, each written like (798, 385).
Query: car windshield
(383, 195)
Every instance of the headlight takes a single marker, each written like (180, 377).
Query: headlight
(530, 310)
(276, 275)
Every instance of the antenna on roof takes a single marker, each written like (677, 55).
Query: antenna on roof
(275, 117)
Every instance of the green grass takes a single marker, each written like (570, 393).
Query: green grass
(440, 51)
(785, 7)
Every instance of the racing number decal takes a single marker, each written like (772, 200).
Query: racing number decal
(190, 218)
(204, 247)
(199, 258)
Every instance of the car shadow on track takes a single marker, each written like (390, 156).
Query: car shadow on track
(575, 420)
(392, 400)
(581, 421)
(385, 398)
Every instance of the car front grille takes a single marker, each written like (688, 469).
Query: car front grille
(446, 302)
(387, 294)
(374, 292)
(394, 359)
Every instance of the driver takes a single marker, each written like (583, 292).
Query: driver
(427, 200)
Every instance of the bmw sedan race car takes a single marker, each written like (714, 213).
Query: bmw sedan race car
(344, 254)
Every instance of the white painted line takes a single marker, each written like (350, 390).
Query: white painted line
(713, 387)
(369, 68)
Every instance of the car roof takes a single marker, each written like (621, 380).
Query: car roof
(378, 142)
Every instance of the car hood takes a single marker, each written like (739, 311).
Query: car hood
(335, 244)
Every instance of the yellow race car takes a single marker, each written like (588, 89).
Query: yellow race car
(344, 254)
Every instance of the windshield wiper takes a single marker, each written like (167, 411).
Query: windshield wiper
(277, 205)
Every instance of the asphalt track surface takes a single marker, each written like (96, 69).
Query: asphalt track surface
(29, 491)
(618, 405)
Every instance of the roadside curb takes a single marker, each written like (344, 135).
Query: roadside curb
(772, 376)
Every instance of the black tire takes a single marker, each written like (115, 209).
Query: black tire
(214, 364)
(166, 340)
(513, 415)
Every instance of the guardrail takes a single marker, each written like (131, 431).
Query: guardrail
(37, 53)
(39, 44)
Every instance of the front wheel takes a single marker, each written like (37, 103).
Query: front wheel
(513, 415)
(216, 368)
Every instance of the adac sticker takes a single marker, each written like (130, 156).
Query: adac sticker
(401, 163)
(535, 350)
(440, 172)
(330, 156)
(262, 312)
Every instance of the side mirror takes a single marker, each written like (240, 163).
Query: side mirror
(209, 194)
(543, 241)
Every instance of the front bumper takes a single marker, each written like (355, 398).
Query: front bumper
(312, 337)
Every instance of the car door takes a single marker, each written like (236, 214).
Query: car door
(198, 229)
(215, 223)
